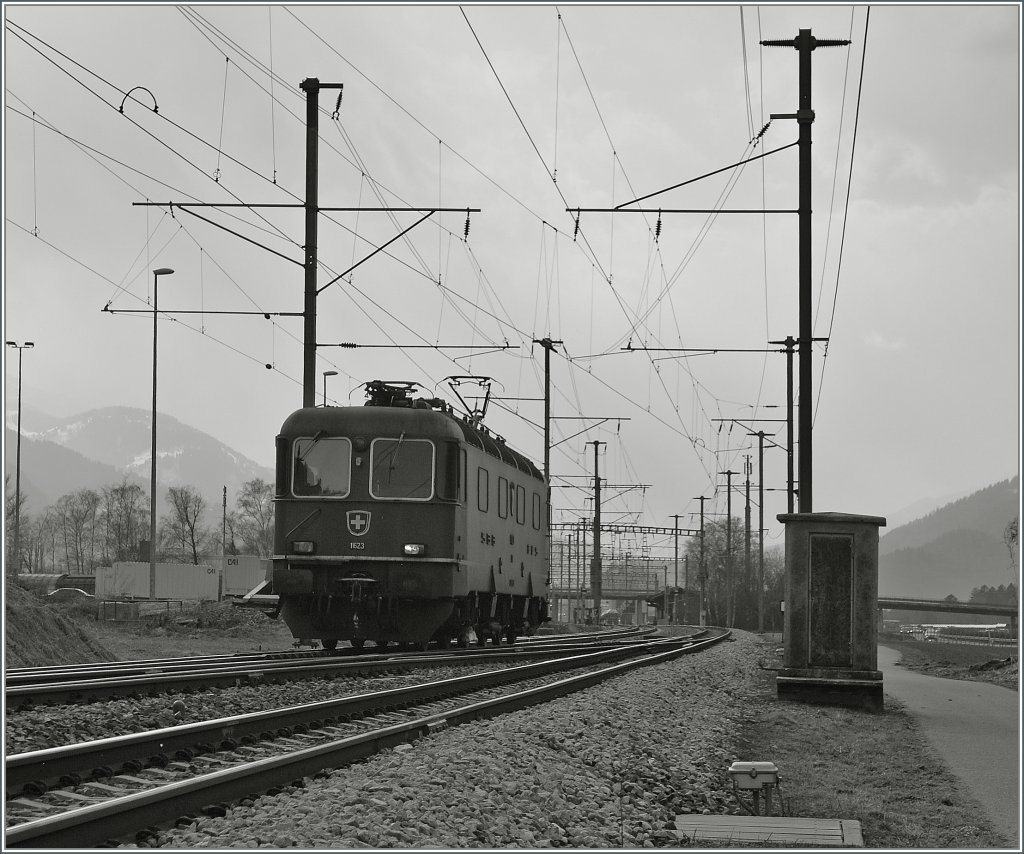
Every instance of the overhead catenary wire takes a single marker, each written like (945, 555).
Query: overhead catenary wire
(607, 276)
(223, 112)
(481, 279)
(273, 122)
(163, 116)
(849, 184)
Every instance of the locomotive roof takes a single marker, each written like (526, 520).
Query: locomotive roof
(390, 420)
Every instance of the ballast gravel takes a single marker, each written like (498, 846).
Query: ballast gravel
(40, 727)
(608, 767)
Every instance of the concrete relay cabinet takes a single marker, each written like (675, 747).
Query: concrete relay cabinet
(831, 643)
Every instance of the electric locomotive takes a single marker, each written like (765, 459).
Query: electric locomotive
(398, 521)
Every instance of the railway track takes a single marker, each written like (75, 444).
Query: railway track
(86, 794)
(25, 687)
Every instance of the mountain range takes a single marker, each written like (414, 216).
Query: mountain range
(953, 549)
(103, 447)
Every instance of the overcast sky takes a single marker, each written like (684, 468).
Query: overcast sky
(523, 111)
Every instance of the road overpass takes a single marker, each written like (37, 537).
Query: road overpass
(947, 607)
(944, 606)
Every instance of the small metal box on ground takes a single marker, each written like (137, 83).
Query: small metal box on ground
(757, 778)
(753, 775)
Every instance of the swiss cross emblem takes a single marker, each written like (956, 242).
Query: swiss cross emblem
(358, 522)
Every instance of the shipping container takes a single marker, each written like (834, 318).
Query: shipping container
(184, 581)
(244, 573)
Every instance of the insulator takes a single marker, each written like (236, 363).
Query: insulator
(576, 231)
(657, 228)
(465, 234)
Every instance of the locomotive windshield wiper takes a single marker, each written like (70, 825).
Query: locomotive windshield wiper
(316, 438)
(394, 457)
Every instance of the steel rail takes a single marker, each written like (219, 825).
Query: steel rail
(48, 766)
(56, 673)
(208, 675)
(92, 825)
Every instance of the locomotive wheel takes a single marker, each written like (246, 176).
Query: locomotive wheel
(381, 643)
(357, 643)
(463, 640)
(329, 644)
(510, 636)
(444, 641)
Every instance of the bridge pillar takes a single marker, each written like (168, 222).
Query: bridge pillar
(831, 628)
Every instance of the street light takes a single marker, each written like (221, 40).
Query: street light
(17, 476)
(326, 375)
(162, 271)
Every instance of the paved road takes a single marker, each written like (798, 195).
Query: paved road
(975, 727)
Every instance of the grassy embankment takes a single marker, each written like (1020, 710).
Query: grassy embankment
(876, 769)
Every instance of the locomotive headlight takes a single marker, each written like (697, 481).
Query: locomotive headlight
(415, 549)
(303, 547)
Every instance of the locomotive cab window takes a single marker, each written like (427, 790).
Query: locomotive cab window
(321, 467)
(402, 468)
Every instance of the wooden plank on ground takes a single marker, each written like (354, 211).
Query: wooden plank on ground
(831, 832)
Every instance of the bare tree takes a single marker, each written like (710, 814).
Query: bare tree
(8, 523)
(126, 514)
(233, 525)
(11, 509)
(76, 517)
(723, 591)
(46, 534)
(183, 523)
(256, 516)
(32, 543)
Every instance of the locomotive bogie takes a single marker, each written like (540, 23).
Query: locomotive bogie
(404, 524)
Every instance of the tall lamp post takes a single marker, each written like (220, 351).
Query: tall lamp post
(326, 375)
(17, 475)
(161, 271)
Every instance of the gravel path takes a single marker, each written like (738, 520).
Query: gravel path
(608, 767)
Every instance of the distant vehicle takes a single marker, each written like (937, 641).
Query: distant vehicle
(68, 594)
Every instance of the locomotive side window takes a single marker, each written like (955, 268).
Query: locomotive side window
(520, 505)
(282, 469)
(402, 468)
(483, 489)
(463, 477)
(502, 498)
(536, 512)
(321, 467)
(449, 474)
